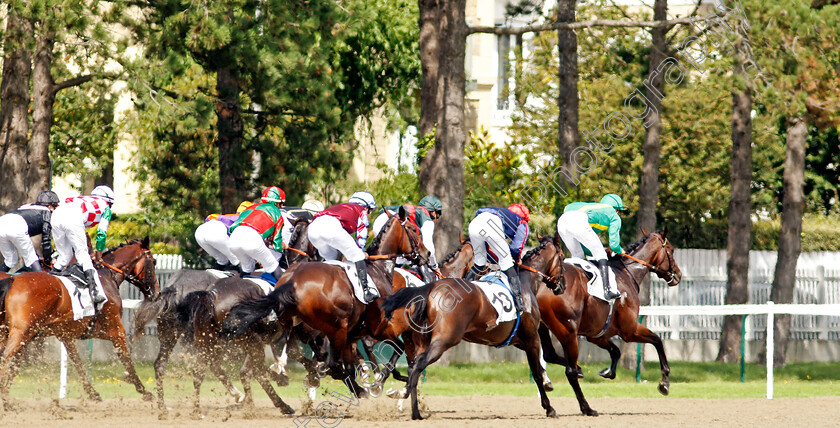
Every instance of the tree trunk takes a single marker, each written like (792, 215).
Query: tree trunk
(43, 99)
(442, 169)
(740, 207)
(567, 120)
(232, 182)
(14, 106)
(649, 183)
(790, 237)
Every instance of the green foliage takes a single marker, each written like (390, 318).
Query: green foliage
(424, 144)
(819, 233)
(491, 173)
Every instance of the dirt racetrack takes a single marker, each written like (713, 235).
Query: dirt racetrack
(460, 412)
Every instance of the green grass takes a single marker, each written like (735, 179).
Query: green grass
(688, 380)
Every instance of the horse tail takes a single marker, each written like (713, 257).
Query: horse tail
(149, 310)
(5, 286)
(197, 308)
(243, 315)
(406, 296)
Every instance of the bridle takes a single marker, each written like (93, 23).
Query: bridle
(668, 275)
(138, 281)
(414, 255)
(551, 282)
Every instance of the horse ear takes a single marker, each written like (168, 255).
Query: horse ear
(644, 232)
(461, 237)
(402, 213)
(145, 243)
(557, 240)
(664, 233)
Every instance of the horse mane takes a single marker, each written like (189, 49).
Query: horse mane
(635, 246)
(296, 231)
(124, 244)
(545, 240)
(451, 255)
(374, 246)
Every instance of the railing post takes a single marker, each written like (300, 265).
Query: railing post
(771, 351)
(639, 356)
(743, 347)
(822, 298)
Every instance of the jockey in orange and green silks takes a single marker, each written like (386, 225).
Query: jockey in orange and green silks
(254, 227)
(213, 237)
(580, 223)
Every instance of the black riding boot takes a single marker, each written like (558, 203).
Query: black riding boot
(515, 288)
(473, 273)
(36, 266)
(278, 272)
(609, 295)
(218, 266)
(361, 268)
(95, 292)
(4, 268)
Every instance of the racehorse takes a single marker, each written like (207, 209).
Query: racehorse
(575, 312)
(37, 303)
(169, 331)
(321, 296)
(461, 311)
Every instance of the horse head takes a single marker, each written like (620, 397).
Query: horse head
(546, 260)
(400, 236)
(299, 248)
(657, 254)
(136, 264)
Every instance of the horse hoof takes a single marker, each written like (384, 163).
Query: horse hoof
(664, 388)
(551, 413)
(240, 397)
(98, 398)
(590, 412)
(281, 379)
(322, 370)
(548, 386)
(147, 396)
(606, 373)
(375, 391)
(580, 373)
(287, 410)
(163, 415)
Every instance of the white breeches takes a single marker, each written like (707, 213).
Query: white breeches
(487, 228)
(248, 246)
(68, 230)
(575, 231)
(212, 236)
(327, 235)
(14, 239)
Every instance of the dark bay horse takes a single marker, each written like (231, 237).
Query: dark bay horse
(37, 303)
(575, 312)
(321, 296)
(445, 312)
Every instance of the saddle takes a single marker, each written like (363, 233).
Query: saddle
(74, 273)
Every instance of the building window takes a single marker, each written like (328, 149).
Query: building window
(503, 83)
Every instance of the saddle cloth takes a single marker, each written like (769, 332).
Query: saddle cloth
(497, 291)
(266, 288)
(353, 276)
(411, 280)
(80, 297)
(595, 285)
(219, 274)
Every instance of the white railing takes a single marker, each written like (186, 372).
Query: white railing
(770, 309)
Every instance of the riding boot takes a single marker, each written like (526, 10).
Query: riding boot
(218, 266)
(605, 270)
(361, 268)
(515, 288)
(95, 292)
(278, 272)
(4, 268)
(36, 266)
(473, 273)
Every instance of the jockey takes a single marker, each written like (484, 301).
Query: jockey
(579, 225)
(423, 216)
(493, 226)
(69, 222)
(330, 232)
(255, 226)
(18, 226)
(212, 236)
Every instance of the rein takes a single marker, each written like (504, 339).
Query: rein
(295, 250)
(127, 276)
(668, 276)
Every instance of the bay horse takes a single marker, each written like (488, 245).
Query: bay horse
(576, 313)
(461, 311)
(322, 297)
(37, 303)
(169, 331)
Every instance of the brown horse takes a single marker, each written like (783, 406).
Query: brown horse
(37, 303)
(322, 297)
(575, 312)
(461, 311)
